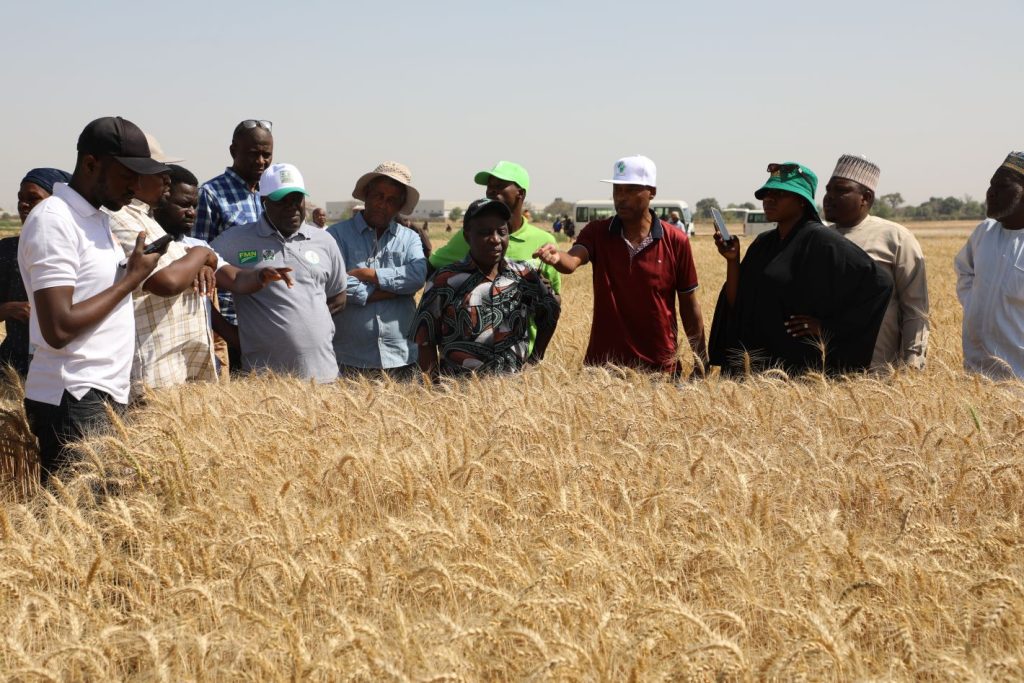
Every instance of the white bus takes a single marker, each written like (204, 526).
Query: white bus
(597, 209)
(753, 221)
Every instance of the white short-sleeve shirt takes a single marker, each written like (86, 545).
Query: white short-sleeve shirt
(67, 242)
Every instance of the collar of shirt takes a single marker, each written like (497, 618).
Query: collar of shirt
(657, 230)
(141, 207)
(265, 229)
(363, 225)
(233, 176)
(518, 235)
(76, 201)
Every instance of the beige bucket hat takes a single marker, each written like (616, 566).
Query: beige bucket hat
(157, 152)
(397, 172)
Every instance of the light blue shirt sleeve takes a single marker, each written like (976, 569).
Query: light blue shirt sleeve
(409, 277)
(358, 292)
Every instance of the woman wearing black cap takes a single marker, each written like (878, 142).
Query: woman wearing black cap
(36, 186)
(804, 298)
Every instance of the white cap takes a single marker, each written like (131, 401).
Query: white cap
(635, 170)
(280, 180)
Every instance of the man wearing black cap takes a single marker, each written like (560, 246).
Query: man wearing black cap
(475, 314)
(82, 327)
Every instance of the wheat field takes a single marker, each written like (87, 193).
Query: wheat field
(564, 524)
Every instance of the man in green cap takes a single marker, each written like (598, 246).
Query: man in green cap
(508, 183)
(804, 298)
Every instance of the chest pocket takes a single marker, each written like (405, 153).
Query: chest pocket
(1013, 286)
(309, 265)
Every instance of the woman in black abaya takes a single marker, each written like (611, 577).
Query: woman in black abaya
(804, 298)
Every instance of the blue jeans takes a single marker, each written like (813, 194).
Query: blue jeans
(59, 427)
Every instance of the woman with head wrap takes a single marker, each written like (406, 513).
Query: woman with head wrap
(36, 186)
(804, 298)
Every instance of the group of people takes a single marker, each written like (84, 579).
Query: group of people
(139, 276)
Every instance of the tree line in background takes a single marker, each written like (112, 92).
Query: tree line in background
(890, 206)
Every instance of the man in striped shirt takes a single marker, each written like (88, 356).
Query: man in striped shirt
(232, 198)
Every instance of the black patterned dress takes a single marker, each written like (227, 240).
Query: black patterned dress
(14, 348)
(482, 325)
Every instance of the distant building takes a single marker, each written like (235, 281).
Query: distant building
(427, 209)
(437, 208)
(337, 211)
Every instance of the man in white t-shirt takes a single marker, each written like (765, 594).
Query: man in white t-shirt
(82, 327)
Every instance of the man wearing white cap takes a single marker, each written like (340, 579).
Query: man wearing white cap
(990, 278)
(640, 266)
(849, 196)
(172, 338)
(387, 267)
(286, 326)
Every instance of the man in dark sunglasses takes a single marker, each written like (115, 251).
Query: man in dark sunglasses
(232, 198)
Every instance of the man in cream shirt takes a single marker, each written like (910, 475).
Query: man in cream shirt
(849, 196)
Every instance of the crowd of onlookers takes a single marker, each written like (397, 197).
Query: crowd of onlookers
(141, 277)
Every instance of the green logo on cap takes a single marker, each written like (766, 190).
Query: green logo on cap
(286, 175)
(247, 256)
(621, 166)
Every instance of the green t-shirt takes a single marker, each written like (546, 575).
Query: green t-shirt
(521, 245)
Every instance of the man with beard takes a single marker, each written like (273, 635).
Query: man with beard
(176, 214)
(81, 325)
(990, 279)
(849, 196)
(641, 265)
(287, 328)
(232, 198)
(474, 315)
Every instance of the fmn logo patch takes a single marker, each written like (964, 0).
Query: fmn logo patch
(248, 256)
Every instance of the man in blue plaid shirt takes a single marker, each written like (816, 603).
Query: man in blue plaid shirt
(232, 198)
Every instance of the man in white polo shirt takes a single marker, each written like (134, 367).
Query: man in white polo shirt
(82, 328)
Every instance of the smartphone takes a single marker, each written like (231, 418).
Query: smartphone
(158, 244)
(720, 224)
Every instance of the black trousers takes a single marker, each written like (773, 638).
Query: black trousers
(58, 427)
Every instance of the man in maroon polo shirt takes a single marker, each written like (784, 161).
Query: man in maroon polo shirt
(641, 264)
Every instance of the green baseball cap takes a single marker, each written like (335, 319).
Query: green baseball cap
(790, 176)
(506, 170)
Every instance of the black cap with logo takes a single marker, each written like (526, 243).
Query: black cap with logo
(113, 136)
(481, 206)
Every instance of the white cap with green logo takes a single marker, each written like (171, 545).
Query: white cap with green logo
(280, 180)
(634, 170)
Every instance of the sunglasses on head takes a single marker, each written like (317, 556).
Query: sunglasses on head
(262, 123)
(785, 171)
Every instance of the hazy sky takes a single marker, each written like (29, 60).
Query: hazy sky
(711, 91)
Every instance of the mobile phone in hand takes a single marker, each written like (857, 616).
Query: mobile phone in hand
(158, 245)
(720, 224)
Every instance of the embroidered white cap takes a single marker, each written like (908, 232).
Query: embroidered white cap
(280, 180)
(634, 170)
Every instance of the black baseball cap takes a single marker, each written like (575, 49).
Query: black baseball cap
(481, 206)
(113, 136)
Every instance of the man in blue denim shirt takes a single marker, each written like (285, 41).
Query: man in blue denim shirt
(387, 268)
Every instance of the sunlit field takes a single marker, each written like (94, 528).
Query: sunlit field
(564, 524)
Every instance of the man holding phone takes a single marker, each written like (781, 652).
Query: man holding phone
(81, 326)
